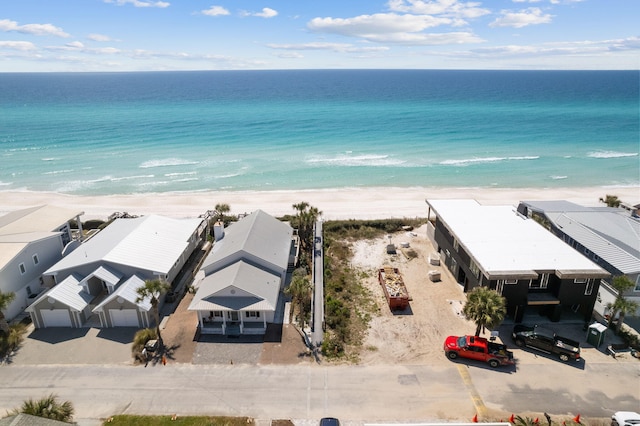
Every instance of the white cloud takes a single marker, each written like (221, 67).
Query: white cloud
(266, 12)
(140, 3)
(33, 29)
(448, 8)
(17, 45)
(215, 11)
(336, 47)
(392, 28)
(99, 37)
(523, 18)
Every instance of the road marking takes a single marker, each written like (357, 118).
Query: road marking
(481, 409)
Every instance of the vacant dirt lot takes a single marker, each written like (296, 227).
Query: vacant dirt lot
(415, 335)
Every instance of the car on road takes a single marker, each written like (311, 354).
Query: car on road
(329, 421)
(625, 418)
(546, 341)
(478, 348)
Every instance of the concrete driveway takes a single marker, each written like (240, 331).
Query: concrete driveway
(57, 346)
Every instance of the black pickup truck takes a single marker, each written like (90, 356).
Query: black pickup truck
(546, 341)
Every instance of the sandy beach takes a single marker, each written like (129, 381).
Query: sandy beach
(350, 203)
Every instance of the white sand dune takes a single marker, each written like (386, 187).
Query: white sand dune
(351, 203)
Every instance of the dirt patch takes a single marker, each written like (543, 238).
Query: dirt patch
(415, 335)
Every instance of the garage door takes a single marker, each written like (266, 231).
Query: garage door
(124, 318)
(56, 318)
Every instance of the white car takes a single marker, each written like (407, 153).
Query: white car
(625, 418)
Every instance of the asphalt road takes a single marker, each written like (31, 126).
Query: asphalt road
(403, 393)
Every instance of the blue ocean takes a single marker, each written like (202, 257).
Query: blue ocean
(126, 133)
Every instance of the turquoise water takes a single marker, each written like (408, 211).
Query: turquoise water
(122, 133)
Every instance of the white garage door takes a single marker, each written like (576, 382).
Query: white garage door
(56, 318)
(124, 318)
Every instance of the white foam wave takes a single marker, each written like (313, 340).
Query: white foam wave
(356, 160)
(166, 162)
(50, 159)
(117, 179)
(57, 172)
(5, 183)
(179, 174)
(476, 160)
(611, 154)
(227, 176)
(558, 177)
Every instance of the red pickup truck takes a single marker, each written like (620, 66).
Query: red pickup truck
(478, 348)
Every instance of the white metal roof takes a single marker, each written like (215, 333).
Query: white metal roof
(128, 291)
(68, 292)
(22, 227)
(151, 243)
(501, 241)
(240, 286)
(106, 274)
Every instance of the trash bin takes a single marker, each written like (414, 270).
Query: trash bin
(595, 334)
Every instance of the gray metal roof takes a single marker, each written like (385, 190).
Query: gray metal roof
(500, 240)
(128, 291)
(259, 235)
(68, 292)
(151, 243)
(240, 286)
(612, 234)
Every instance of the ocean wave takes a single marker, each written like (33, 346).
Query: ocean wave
(356, 160)
(476, 160)
(611, 154)
(57, 172)
(51, 159)
(166, 163)
(557, 177)
(5, 183)
(117, 179)
(179, 174)
(227, 176)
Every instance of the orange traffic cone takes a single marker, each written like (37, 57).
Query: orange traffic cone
(512, 419)
(475, 419)
(577, 418)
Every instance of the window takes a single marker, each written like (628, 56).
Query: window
(23, 269)
(35, 259)
(511, 281)
(456, 245)
(499, 286)
(580, 280)
(589, 288)
(252, 314)
(475, 270)
(637, 283)
(217, 314)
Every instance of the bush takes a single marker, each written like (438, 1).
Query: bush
(140, 339)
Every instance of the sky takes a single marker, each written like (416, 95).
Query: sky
(162, 35)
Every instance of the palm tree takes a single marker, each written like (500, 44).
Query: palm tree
(300, 291)
(611, 200)
(153, 289)
(221, 209)
(485, 307)
(304, 221)
(48, 407)
(621, 306)
(5, 300)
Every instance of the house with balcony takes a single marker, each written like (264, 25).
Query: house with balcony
(497, 247)
(608, 236)
(101, 276)
(240, 281)
(31, 241)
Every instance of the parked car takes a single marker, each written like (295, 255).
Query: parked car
(329, 421)
(546, 341)
(478, 348)
(625, 418)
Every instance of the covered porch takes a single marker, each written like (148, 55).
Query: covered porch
(228, 322)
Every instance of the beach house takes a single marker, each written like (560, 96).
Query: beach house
(609, 236)
(499, 248)
(101, 276)
(239, 284)
(31, 241)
